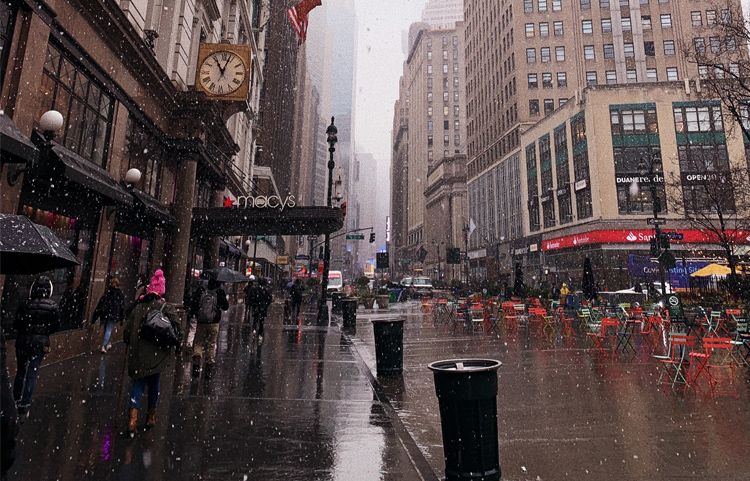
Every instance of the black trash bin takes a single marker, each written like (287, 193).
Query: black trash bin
(349, 312)
(467, 394)
(389, 346)
(336, 303)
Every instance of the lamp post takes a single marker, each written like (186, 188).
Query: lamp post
(466, 231)
(50, 123)
(440, 271)
(331, 132)
(646, 167)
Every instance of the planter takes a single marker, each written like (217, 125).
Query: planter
(382, 301)
(369, 302)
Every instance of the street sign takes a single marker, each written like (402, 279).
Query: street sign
(338, 261)
(674, 305)
(656, 221)
(302, 258)
(355, 237)
(676, 235)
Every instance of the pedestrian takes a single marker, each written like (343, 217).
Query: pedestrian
(140, 287)
(207, 304)
(249, 293)
(37, 318)
(192, 322)
(147, 359)
(261, 299)
(111, 310)
(295, 293)
(8, 416)
(564, 293)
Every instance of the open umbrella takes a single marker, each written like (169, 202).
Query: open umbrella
(29, 248)
(712, 270)
(588, 284)
(224, 274)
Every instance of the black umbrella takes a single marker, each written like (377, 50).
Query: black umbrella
(29, 248)
(588, 284)
(224, 274)
(518, 287)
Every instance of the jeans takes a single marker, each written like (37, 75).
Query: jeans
(107, 333)
(28, 370)
(139, 385)
(295, 310)
(259, 317)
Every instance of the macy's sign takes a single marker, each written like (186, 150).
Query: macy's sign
(263, 202)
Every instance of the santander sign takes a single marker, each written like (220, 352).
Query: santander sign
(628, 237)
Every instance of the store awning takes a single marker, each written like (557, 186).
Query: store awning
(225, 246)
(15, 148)
(226, 222)
(152, 208)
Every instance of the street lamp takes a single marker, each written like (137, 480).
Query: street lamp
(646, 167)
(331, 138)
(50, 122)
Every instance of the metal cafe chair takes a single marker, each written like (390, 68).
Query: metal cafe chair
(713, 364)
(605, 338)
(676, 363)
(740, 340)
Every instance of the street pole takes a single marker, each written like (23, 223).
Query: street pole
(440, 274)
(656, 204)
(331, 132)
(466, 251)
(255, 251)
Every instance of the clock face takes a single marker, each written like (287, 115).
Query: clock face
(222, 72)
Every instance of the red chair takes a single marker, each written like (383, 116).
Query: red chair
(712, 364)
(606, 338)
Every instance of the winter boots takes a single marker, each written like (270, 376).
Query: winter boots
(133, 420)
(150, 418)
(196, 366)
(208, 370)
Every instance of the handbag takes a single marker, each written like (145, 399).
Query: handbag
(157, 328)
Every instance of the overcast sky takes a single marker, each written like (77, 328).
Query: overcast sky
(379, 66)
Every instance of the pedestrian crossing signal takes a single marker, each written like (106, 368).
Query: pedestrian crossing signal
(372, 237)
(453, 255)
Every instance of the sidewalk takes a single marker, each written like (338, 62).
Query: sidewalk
(301, 406)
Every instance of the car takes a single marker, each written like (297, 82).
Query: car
(406, 282)
(335, 282)
(422, 286)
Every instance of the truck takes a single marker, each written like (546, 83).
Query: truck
(335, 281)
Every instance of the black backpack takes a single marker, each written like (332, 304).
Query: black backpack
(157, 328)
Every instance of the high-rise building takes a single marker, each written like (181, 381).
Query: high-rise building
(442, 14)
(526, 59)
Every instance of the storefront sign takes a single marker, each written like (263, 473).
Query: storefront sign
(478, 254)
(282, 260)
(640, 179)
(581, 184)
(634, 236)
(262, 202)
(644, 269)
(533, 247)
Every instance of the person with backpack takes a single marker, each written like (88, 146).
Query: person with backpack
(37, 318)
(110, 309)
(249, 298)
(261, 298)
(295, 293)
(148, 356)
(207, 305)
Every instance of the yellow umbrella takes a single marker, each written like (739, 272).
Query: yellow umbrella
(711, 270)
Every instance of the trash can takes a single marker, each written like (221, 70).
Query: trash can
(467, 395)
(393, 296)
(336, 303)
(389, 346)
(349, 312)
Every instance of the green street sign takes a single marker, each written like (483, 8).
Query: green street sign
(338, 261)
(674, 305)
(355, 237)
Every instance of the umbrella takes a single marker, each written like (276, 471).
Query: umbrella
(29, 248)
(224, 274)
(588, 284)
(711, 270)
(518, 289)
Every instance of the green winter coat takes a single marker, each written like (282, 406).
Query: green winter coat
(145, 357)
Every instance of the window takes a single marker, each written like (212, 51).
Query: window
(626, 25)
(533, 107)
(445, 40)
(606, 25)
(456, 125)
(611, 76)
(531, 55)
(429, 111)
(609, 50)
(560, 54)
(710, 17)
(457, 140)
(731, 44)
(144, 153)
(542, 5)
(666, 20)
(562, 79)
(429, 140)
(668, 47)
(533, 81)
(455, 82)
(651, 75)
(590, 78)
(604, 3)
(715, 43)
(558, 27)
(429, 55)
(446, 125)
(455, 64)
(445, 96)
(588, 52)
(726, 16)
(734, 69)
(672, 74)
(456, 110)
(446, 111)
(455, 95)
(445, 68)
(703, 71)
(549, 106)
(585, 4)
(455, 54)
(544, 53)
(632, 76)
(429, 69)
(547, 80)
(556, 5)
(528, 6)
(628, 49)
(544, 29)
(587, 26)
(696, 18)
(429, 125)
(698, 119)
(429, 96)
(446, 139)
(455, 41)
(430, 156)
(429, 82)
(561, 102)
(649, 49)
(530, 30)
(87, 107)
(646, 22)
(719, 71)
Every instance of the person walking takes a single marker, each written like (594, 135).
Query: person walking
(249, 296)
(147, 359)
(261, 299)
(207, 304)
(295, 293)
(37, 318)
(111, 310)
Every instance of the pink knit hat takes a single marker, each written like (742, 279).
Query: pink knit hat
(157, 284)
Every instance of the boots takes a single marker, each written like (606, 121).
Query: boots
(150, 418)
(208, 369)
(196, 366)
(133, 419)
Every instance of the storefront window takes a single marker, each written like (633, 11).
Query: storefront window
(8, 12)
(143, 152)
(129, 263)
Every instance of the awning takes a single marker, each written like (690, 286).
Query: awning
(83, 172)
(233, 250)
(14, 146)
(153, 208)
(298, 220)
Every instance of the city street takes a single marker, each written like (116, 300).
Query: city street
(308, 405)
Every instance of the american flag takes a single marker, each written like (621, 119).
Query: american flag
(298, 16)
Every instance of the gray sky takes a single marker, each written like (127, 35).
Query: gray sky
(379, 66)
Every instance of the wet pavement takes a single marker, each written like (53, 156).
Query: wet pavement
(307, 405)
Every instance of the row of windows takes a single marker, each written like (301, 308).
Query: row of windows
(545, 54)
(445, 42)
(446, 142)
(730, 44)
(542, 5)
(446, 110)
(445, 54)
(632, 77)
(587, 26)
(533, 80)
(446, 96)
(445, 79)
(446, 124)
(586, 4)
(549, 105)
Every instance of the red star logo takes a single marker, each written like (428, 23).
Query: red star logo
(228, 203)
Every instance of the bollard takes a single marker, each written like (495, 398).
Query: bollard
(349, 312)
(389, 346)
(467, 394)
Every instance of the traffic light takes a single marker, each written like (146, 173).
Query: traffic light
(654, 251)
(343, 208)
(320, 252)
(664, 240)
(372, 237)
(453, 255)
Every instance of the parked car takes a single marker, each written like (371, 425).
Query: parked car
(422, 286)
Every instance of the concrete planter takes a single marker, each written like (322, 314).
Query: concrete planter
(369, 302)
(383, 301)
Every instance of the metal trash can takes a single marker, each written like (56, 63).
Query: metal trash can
(336, 303)
(349, 311)
(389, 346)
(467, 394)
